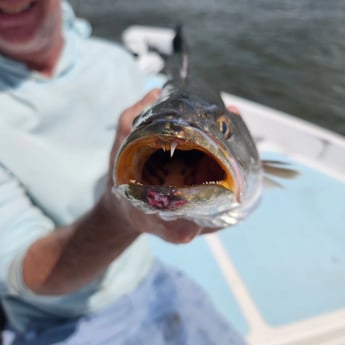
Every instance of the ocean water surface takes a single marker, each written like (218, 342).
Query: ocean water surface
(286, 54)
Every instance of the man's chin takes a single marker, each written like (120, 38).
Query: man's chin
(20, 28)
(19, 42)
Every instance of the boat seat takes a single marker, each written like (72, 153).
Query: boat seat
(268, 272)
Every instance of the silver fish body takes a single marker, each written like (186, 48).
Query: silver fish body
(188, 157)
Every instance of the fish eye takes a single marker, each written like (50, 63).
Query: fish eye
(224, 126)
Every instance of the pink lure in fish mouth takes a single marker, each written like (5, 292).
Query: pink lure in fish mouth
(164, 200)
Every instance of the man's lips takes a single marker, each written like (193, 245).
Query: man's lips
(15, 8)
(20, 16)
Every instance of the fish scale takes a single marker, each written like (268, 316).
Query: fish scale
(191, 123)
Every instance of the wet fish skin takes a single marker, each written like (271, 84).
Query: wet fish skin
(190, 129)
(188, 156)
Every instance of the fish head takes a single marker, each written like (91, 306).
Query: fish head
(189, 159)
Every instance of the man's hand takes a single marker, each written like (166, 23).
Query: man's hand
(177, 231)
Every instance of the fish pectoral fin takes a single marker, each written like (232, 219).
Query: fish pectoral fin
(270, 183)
(279, 169)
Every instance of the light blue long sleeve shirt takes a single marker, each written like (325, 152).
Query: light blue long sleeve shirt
(55, 137)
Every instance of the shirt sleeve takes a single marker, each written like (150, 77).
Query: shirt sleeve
(21, 224)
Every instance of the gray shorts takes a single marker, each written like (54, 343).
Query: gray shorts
(166, 308)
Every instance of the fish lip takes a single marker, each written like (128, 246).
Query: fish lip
(173, 204)
(171, 198)
(163, 132)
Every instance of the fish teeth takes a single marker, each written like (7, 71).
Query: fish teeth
(211, 182)
(163, 147)
(173, 148)
(134, 181)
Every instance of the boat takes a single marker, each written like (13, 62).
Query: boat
(279, 276)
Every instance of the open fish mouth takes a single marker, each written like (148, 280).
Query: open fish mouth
(177, 168)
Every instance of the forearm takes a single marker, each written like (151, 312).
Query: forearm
(71, 257)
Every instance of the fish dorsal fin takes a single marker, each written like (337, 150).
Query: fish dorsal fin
(180, 49)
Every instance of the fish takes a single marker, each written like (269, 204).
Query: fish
(190, 157)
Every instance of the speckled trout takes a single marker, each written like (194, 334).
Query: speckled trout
(188, 156)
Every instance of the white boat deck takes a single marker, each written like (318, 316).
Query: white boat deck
(279, 277)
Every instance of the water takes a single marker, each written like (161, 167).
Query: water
(287, 54)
